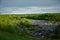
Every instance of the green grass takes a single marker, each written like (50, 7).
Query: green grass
(9, 36)
(10, 22)
(8, 26)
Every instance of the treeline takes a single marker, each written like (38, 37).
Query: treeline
(49, 17)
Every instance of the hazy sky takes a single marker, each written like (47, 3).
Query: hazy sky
(29, 6)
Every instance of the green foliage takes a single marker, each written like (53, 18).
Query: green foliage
(9, 22)
(57, 32)
(25, 22)
(8, 36)
(49, 17)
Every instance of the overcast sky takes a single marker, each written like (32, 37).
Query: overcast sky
(29, 6)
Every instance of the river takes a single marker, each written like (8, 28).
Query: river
(45, 24)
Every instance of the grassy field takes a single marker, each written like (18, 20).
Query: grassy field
(10, 36)
(8, 28)
(9, 23)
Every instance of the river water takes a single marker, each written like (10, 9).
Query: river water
(45, 24)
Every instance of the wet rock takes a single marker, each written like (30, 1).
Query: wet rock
(19, 28)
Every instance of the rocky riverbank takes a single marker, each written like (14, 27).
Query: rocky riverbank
(43, 30)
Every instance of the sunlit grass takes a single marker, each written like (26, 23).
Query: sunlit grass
(8, 23)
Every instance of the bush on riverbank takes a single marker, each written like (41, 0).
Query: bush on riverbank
(25, 22)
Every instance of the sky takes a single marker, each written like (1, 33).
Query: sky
(29, 6)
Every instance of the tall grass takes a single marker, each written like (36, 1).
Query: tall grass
(9, 22)
(9, 36)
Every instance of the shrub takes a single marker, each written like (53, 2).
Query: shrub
(25, 22)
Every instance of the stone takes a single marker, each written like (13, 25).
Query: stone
(19, 28)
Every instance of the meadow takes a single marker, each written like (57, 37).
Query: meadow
(9, 23)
